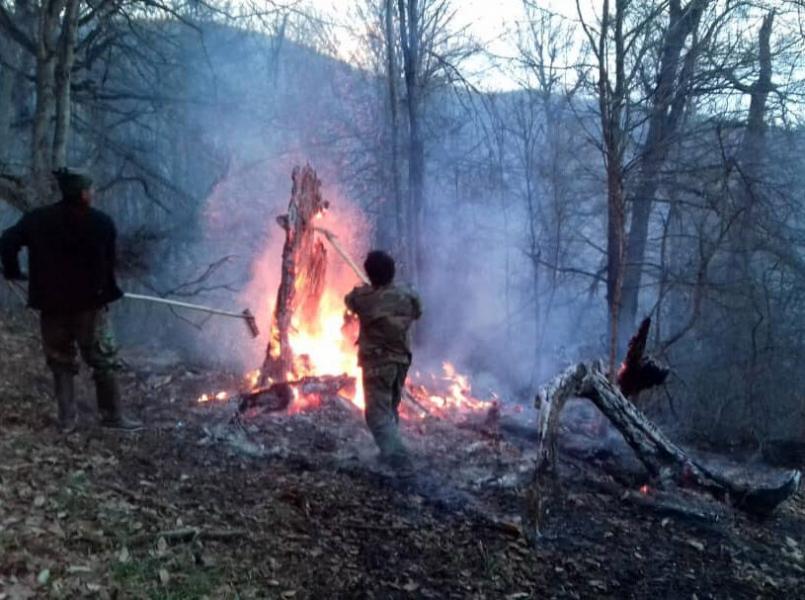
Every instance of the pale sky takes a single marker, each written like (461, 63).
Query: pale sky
(490, 22)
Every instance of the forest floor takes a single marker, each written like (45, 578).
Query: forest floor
(295, 506)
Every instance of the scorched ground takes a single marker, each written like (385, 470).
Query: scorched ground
(181, 511)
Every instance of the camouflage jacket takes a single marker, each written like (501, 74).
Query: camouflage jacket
(385, 315)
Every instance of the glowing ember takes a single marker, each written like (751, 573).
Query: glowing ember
(220, 396)
(252, 377)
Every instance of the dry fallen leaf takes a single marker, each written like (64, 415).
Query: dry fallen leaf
(73, 569)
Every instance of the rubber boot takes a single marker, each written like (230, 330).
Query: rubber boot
(64, 390)
(107, 393)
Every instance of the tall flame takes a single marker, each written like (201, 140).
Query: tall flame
(325, 343)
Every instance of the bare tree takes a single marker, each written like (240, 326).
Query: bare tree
(667, 99)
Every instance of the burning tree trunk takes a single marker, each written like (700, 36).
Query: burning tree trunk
(304, 264)
(665, 461)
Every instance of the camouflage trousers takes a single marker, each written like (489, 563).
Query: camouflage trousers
(90, 331)
(382, 388)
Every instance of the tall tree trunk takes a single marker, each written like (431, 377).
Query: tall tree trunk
(410, 30)
(6, 104)
(616, 216)
(48, 34)
(394, 132)
(611, 102)
(64, 67)
(304, 267)
(667, 106)
(743, 243)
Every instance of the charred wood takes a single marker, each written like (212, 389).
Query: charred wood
(639, 372)
(304, 264)
(279, 396)
(666, 463)
(275, 397)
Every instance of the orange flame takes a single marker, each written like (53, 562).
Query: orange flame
(322, 345)
(325, 344)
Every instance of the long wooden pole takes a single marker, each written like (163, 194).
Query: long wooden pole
(246, 315)
(338, 248)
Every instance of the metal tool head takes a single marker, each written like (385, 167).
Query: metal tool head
(251, 323)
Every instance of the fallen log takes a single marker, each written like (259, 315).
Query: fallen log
(666, 463)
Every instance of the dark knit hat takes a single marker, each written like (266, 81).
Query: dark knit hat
(72, 182)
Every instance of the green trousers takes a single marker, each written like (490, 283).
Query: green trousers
(382, 387)
(89, 332)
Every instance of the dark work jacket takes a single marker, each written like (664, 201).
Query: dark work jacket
(71, 257)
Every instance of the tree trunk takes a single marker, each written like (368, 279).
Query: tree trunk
(64, 67)
(304, 263)
(666, 462)
(394, 133)
(47, 38)
(668, 102)
(410, 27)
(611, 102)
(616, 215)
(6, 104)
(743, 239)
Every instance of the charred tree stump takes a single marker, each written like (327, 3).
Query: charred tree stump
(639, 372)
(666, 462)
(304, 264)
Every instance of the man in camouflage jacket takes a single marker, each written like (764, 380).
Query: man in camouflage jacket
(71, 262)
(386, 312)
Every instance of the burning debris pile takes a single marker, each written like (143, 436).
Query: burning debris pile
(310, 355)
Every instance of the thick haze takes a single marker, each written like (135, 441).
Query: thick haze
(192, 134)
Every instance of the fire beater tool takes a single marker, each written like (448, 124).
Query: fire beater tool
(331, 237)
(251, 322)
(246, 315)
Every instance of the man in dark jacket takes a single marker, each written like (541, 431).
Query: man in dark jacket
(386, 313)
(71, 261)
